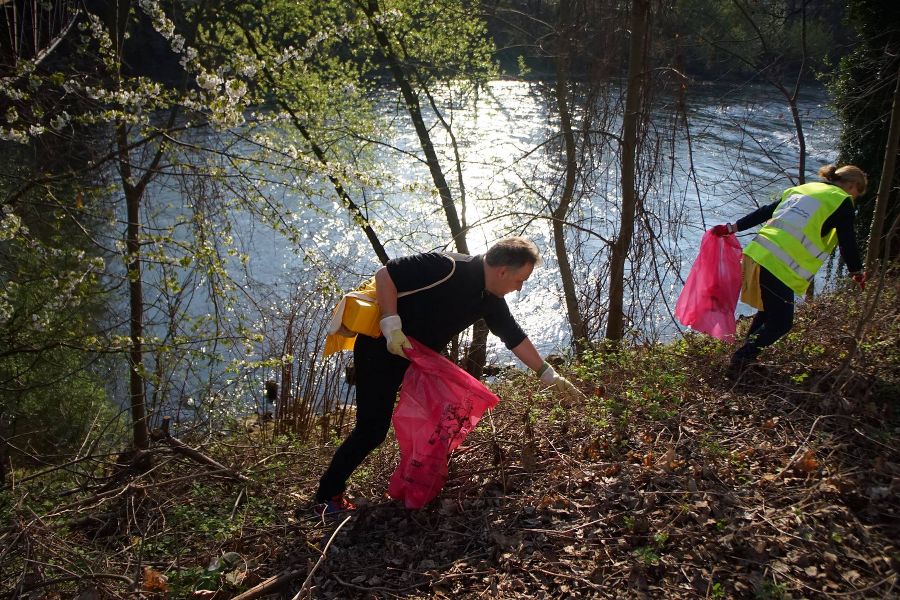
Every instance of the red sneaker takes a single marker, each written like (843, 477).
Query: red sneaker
(338, 504)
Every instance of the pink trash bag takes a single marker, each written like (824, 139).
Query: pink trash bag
(439, 405)
(710, 294)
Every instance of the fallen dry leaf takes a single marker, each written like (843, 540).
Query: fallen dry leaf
(154, 581)
(668, 461)
(808, 462)
(612, 470)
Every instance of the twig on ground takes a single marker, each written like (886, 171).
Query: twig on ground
(312, 571)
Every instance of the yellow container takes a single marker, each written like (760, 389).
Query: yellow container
(361, 316)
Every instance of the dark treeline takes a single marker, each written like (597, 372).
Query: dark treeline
(708, 40)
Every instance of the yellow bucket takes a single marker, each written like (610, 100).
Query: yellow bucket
(361, 316)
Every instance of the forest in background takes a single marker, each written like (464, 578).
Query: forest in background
(102, 101)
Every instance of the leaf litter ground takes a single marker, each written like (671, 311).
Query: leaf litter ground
(666, 481)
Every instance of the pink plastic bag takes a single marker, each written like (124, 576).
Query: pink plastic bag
(439, 405)
(711, 291)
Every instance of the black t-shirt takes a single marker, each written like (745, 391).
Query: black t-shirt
(840, 220)
(434, 316)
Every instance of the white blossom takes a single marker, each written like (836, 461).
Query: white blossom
(248, 66)
(190, 55)
(10, 92)
(60, 120)
(209, 81)
(235, 89)
(10, 225)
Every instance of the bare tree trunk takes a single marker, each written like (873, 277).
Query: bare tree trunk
(136, 389)
(134, 193)
(477, 353)
(801, 139)
(564, 56)
(771, 75)
(885, 186)
(5, 466)
(792, 101)
(411, 100)
(640, 12)
(286, 410)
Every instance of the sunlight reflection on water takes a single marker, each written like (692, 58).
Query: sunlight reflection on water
(735, 136)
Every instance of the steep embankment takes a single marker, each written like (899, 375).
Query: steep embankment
(784, 484)
(666, 481)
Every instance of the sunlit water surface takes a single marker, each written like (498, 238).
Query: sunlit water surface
(737, 138)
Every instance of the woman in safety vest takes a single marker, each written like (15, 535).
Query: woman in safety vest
(801, 230)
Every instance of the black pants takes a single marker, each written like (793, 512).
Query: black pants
(771, 323)
(378, 377)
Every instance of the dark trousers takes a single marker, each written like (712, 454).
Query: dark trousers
(378, 377)
(771, 323)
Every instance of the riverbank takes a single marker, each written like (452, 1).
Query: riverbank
(668, 479)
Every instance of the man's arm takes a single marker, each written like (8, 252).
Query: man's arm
(385, 292)
(528, 354)
(391, 325)
(842, 222)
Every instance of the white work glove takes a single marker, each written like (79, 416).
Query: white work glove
(396, 341)
(562, 385)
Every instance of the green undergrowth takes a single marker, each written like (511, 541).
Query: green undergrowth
(665, 479)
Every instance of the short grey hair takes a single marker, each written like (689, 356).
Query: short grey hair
(514, 252)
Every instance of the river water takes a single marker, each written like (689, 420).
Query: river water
(730, 156)
(742, 141)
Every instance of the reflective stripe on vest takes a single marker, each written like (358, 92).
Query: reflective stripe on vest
(794, 217)
(783, 257)
(791, 245)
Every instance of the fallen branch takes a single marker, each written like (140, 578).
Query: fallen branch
(71, 578)
(279, 580)
(373, 589)
(321, 558)
(270, 583)
(181, 448)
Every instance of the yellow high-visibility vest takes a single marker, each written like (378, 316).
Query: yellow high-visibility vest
(791, 244)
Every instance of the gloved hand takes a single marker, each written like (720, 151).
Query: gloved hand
(393, 334)
(562, 385)
(722, 230)
(860, 278)
(567, 389)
